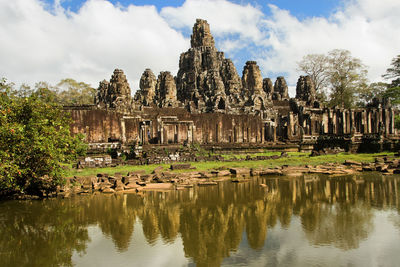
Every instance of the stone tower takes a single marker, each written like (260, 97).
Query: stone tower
(281, 91)
(116, 93)
(166, 90)
(201, 36)
(305, 89)
(206, 80)
(252, 79)
(268, 87)
(147, 85)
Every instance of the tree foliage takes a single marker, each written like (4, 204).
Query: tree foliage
(346, 75)
(75, 93)
(393, 73)
(366, 93)
(338, 73)
(315, 65)
(34, 140)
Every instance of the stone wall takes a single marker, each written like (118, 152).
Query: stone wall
(208, 103)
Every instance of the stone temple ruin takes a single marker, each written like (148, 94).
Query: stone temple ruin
(209, 104)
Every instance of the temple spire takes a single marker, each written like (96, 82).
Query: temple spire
(201, 34)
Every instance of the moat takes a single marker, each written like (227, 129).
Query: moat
(313, 220)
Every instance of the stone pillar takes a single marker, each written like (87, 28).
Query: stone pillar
(391, 121)
(195, 137)
(290, 125)
(363, 121)
(190, 133)
(351, 121)
(387, 121)
(334, 123)
(325, 122)
(369, 122)
(263, 133)
(123, 129)
(344, 121)
(176, 130)
(161, 133)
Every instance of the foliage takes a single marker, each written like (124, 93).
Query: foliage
(366, 93)
(66, 92)
(394, 72)
(393, 90)
(337, 72)
(346, 74)
(393, 93)
(34, 140)
(75, 93)
(315, 65)
(397, 121)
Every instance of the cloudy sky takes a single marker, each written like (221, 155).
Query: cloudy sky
(48, 40)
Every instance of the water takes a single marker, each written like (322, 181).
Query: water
(306, 221)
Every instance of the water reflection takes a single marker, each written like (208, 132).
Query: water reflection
(210, 221)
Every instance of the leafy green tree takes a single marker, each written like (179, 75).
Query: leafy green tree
(75, 93)
(393, 90)
(338, 73)
(346, 74)
(366, 93)
(34, 140)
(393, 74)
(47, 92)
(316, 65)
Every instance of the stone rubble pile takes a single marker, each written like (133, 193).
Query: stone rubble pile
(188, 177)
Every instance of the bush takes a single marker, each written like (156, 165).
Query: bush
(34, 141)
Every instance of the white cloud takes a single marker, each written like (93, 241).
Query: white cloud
(87, 45)
(225, 18)
(367, 28)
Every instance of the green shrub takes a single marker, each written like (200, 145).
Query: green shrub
(34, 140)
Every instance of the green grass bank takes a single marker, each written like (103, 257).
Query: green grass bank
(293, 159)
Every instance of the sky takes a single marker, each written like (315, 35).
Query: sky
(49, 40)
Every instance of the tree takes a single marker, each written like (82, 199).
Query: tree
(315, 65)
(338, 72)
(366, 93)
(34, 141)
(346, 74)
(75, 93)
(393, 72)
(393, 90)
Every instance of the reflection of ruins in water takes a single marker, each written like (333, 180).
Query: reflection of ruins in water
(211, 221)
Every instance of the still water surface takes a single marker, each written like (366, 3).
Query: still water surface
(306, 221)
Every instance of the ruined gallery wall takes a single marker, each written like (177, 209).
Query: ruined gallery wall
(98, 126)
(227, 128)
(176, 125)
(130, 133)
(363, 121)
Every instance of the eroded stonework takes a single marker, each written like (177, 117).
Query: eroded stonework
(115, 94)
(147, 84)
(208, 103)
(166, 90)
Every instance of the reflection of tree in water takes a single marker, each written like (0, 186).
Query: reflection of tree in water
(338, 211)
(115, 215)
(256, 224)
(29, 238)
(342, 225)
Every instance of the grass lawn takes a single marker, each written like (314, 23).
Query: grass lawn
(294, 159)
